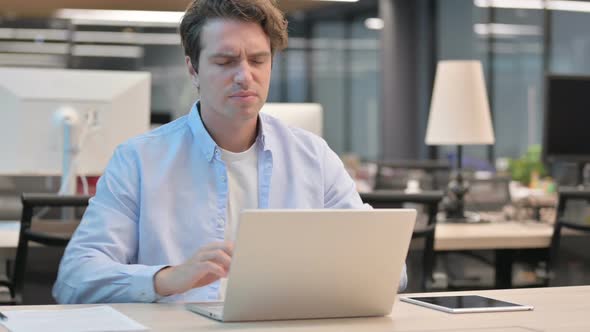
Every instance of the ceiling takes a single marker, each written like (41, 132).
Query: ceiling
(44, 8)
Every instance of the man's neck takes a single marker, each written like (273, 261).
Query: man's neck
(231, 135)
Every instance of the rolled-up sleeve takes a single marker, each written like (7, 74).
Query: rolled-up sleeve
(99, 263)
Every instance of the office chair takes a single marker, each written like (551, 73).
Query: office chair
(43, 232)
(429, 199)
(563, 222)
(393, 175)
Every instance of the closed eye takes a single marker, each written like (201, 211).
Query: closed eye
(223, 62)
(259, 59)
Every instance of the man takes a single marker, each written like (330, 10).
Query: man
(161, 225)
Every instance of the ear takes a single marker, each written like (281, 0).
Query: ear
(191, 71)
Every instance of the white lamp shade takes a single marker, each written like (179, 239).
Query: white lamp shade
(459, 111)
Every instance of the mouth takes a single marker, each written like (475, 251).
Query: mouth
(245, 96)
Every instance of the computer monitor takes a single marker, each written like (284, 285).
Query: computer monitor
(567, 119)
(102, 108)
(308, 116)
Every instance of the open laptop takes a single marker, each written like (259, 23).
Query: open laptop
(303, 264)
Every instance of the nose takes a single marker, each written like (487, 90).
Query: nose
(243, 75)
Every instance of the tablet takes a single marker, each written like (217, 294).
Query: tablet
(464, 303)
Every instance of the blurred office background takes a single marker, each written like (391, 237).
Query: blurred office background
(369, 63)
(335, 57)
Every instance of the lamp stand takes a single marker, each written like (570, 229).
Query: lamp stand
(454, 203)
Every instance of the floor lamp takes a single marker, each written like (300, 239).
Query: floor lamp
(459, 115)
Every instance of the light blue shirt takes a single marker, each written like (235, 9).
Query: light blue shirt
(164, 195)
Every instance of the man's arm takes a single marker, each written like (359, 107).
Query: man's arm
(339, 188)
(98, 264)
(340, 193)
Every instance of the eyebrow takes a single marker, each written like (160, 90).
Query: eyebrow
(233, 55)
(264, 53)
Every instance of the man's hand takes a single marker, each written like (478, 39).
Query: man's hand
(209, 264)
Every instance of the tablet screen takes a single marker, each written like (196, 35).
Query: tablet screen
(464, 302)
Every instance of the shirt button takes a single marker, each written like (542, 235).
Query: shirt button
(222, 178)
(220, 222)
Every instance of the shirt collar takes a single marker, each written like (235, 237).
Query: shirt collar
(264, 132)
(206, 142)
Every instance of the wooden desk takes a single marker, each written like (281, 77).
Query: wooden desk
(556, 309)
(9, 232)
(449, 237)
(502, 237)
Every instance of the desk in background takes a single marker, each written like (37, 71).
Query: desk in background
(9, 232)
(556, 309)
(496, 235)
(502, 237)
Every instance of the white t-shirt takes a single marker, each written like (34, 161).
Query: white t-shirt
(242, 180)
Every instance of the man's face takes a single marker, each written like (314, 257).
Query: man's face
(234, 68)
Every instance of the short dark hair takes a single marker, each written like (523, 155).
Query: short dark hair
(264, 12)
